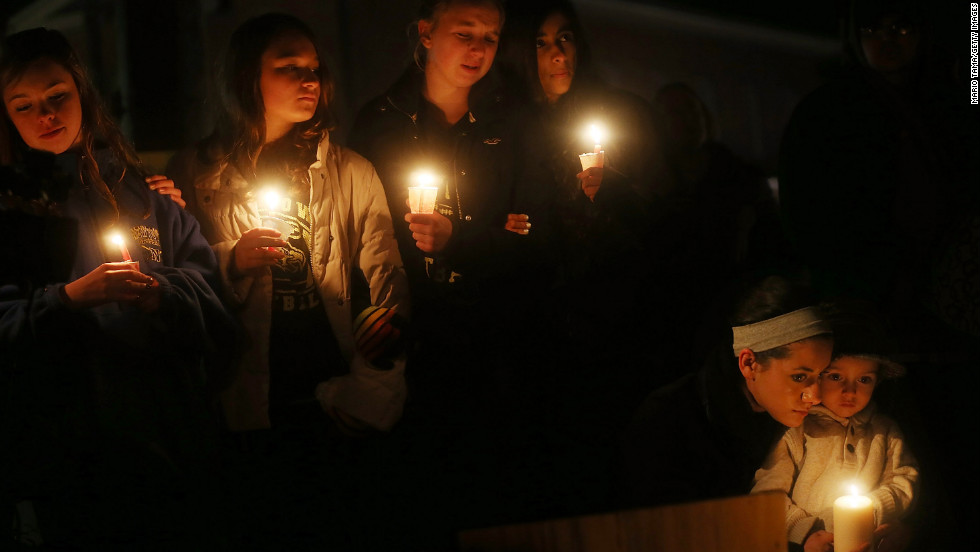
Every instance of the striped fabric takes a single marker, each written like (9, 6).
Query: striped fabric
(374, 332)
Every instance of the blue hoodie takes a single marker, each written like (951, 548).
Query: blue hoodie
(92, 393)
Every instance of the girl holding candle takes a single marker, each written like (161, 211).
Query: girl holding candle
(295, 288)
(321, 303)
(447, 114)
(102, 367)
(591, 232)
(845, 441)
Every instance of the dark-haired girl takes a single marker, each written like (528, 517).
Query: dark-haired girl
(104, 418)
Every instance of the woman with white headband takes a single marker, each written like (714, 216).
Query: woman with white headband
(704, 435)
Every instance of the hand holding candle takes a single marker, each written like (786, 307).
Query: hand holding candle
(118, 240)
(271, 202)
(854, 521)
(597, 156)
(592, 163)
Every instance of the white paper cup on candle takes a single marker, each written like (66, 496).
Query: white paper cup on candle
(283, 226)
(591, 159)
(854, 522)
(422, 199)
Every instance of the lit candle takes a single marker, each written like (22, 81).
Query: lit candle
(596, 137)
(597, 156)
(271, 198)
(117, 239)
(854, 521)
(422, 192)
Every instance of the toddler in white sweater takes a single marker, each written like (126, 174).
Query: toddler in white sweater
(844, 441)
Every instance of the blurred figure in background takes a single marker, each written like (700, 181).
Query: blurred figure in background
(878, 190)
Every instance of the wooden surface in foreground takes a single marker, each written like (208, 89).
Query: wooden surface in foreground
(751, 523)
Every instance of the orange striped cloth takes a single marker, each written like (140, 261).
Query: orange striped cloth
(377, 332)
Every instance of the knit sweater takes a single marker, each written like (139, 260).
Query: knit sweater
(812, 465)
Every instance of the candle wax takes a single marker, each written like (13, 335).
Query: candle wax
(854, 522)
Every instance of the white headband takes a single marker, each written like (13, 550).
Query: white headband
(781, 330)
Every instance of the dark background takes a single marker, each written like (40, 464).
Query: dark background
(750, 61)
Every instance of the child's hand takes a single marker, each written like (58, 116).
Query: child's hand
(819, 541)
(892, 537)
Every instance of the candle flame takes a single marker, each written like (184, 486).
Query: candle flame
(116, 238)
(595, 131)
(854, 490)
(423, 178)
(271, 197)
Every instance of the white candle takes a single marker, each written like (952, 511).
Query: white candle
(118, 240)
(854, 521)
(596, 138)
(422, 192)
(596, 157)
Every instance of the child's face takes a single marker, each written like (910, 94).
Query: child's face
(44, 107)
(846, 385)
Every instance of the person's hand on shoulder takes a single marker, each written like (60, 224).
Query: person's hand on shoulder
(165, 186)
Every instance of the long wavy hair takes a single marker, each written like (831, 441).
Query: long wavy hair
(20, 52)
(240, 124)
(519, 58)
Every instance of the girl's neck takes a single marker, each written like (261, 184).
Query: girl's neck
(454, 102)
(275, 131)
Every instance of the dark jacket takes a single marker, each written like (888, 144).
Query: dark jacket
(99, 395)
(476, 194)
(697, 438)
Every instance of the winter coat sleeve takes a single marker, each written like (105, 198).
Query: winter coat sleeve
(896, 491)
(374, 396)
(778, 474)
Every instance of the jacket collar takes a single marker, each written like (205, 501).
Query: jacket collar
(406, 95)
(211, 173)
(859, 419)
